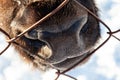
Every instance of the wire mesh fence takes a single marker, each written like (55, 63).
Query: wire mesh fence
(110, 34)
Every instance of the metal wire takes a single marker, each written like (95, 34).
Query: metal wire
(110, 33)
(7, 35)
(40, 21)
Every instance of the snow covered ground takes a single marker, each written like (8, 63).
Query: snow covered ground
(103, 65)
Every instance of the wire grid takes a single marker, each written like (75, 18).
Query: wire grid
(110, 33)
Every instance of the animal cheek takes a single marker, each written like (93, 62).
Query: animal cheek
(6, 3)
(24, 19)
(15, 28)
(19, 25)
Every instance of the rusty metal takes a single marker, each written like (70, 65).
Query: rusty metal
(110, 33)
(7, 35)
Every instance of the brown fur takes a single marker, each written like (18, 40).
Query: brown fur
(62, 39)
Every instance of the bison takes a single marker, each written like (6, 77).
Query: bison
(62, 40)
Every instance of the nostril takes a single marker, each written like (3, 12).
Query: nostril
(44, 35)
(33, 34)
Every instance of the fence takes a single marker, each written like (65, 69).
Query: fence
(110, 33)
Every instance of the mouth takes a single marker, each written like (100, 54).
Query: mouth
(40, 48)
(69, 62)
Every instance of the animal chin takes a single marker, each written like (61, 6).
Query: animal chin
(45, 52)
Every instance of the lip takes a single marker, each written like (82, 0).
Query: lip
(69, 62)
(60, 65)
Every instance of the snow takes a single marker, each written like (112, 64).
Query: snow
(103, 65)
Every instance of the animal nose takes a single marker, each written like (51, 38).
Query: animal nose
(65, 43)
(62, 43)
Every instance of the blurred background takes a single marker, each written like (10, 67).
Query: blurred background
(103, 65)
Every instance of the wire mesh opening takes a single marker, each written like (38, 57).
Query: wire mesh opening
(110, 34)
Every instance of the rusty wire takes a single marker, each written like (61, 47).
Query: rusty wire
(110, 33)
(12, 40)
(7, 35)
(40, 21)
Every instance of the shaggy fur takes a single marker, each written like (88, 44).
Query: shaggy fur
(62, 40)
